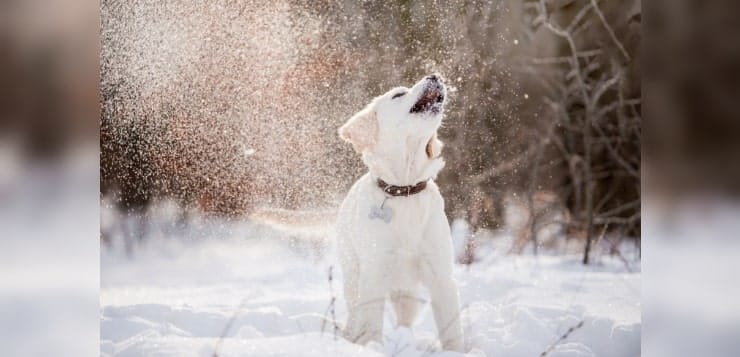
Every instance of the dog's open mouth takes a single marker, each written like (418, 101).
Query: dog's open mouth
(430, 101)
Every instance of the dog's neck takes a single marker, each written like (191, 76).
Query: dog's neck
(404, 162)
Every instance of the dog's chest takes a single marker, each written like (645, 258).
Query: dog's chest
(405, 228)
(401, 241)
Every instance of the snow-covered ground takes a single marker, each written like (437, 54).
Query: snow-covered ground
(247, 290)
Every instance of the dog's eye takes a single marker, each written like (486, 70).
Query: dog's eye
(398, 95)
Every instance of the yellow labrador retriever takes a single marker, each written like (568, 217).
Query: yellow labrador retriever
(392, 232)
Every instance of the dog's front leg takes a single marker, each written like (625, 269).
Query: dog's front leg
(436, 274)
(373, 288)
(445, 306)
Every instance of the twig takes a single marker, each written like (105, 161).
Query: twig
(618, 220)
(603, 86)
(577, 19)
(621, 257)
(565, 59)
(602, 235)
(562, 338)
(621, 208)
(609, 30)
(617, 105)
(228, 327)
(613, 152)
(331, 307)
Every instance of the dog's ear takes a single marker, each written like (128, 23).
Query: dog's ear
(434, 147)
(361, 130)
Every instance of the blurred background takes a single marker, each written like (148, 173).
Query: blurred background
(222, 107)
(49, 200)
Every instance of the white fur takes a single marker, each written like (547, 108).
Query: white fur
(395, 259)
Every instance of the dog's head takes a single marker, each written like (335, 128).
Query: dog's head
(399, 114)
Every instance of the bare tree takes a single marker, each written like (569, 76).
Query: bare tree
(598, 136)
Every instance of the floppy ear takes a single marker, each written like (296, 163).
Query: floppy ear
(434, 147)
(361, 130)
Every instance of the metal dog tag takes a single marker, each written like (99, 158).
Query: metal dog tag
(383, 213)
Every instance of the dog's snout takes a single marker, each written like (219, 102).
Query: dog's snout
(434, 78)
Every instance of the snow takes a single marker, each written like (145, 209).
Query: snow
(49, 254)
(691, 257)
(267, 293)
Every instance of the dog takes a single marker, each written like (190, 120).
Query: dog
(392, 233)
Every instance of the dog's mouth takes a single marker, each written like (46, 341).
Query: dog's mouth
(432, 99)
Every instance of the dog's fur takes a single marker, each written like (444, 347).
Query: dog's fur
(381, 259)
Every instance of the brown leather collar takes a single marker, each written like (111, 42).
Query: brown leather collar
(401, 190)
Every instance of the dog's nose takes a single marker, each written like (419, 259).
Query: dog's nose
(433, 77)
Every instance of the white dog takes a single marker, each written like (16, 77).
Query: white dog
(392, 232)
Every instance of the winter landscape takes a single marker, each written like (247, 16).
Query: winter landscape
(252, 290)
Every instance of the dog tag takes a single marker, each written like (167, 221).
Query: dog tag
(383, 213)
